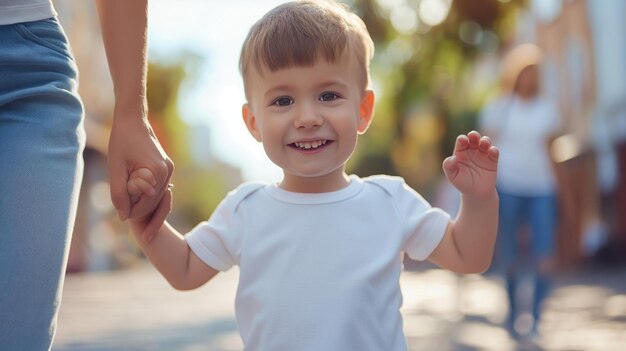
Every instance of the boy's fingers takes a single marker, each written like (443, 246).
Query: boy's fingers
(141, 186)
(485, 143)
(147, 204)
(462, 143)
(494, 153)
(450, 167)
(474, 139)
(158, 217)
(147, 175)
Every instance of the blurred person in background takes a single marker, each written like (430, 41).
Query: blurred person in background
(41, 144)
(523, 122)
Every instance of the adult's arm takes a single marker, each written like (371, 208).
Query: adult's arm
(132, 144)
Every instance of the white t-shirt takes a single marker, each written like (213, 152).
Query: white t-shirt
(17, 11)
(320, 271)
(522, 130)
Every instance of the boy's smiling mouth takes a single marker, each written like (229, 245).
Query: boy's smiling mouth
(310, 145)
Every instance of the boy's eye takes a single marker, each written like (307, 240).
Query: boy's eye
(329, 96)
(282, 101)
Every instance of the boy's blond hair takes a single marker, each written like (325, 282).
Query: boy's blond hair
(301, 32)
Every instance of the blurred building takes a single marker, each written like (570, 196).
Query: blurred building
(585, 71)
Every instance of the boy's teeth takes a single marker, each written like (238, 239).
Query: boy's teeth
(310, 144)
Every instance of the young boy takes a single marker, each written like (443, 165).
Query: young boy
(320, 253)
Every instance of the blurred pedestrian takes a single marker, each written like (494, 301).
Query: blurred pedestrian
(41, 144)
(523, 122)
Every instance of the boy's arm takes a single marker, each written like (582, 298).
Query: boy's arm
(173, 258)
(468, 244)
(169, 253)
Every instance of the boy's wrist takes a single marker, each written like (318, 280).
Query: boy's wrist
(477, 200)
(135, 227)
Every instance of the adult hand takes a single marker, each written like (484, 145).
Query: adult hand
(132, 146)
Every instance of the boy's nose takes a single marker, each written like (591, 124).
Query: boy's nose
(308, 117)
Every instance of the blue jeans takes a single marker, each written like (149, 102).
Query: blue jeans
(540, 213)
(41, 144)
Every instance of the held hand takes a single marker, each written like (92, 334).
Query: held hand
(472, 168)
(147, 227)
(140, 182)
(133, 146)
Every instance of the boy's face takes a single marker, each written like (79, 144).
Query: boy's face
(308, 119)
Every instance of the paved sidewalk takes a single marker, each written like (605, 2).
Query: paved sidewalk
(137, 310)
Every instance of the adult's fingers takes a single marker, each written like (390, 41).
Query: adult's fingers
(146, 205)
(170, 168)
(162, 172)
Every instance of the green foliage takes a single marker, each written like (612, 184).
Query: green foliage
(198, 188)
(422, 81)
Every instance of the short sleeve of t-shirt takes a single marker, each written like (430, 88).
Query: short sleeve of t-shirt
(217, 242)
(424, 225)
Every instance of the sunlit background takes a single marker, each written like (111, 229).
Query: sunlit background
(437, 63)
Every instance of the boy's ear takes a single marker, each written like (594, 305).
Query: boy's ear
(366, 111)
(250, 120)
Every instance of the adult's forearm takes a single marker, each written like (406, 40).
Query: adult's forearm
(124, 32)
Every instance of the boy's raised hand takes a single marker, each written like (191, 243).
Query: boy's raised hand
(472, 168)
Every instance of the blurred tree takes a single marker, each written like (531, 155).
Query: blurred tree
(198, 188)
(422, 76)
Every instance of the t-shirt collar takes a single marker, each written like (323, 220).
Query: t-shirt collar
(353, 188)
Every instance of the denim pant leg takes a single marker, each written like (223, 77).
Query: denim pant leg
(543, 219)
(512, 216)
(41, 143)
